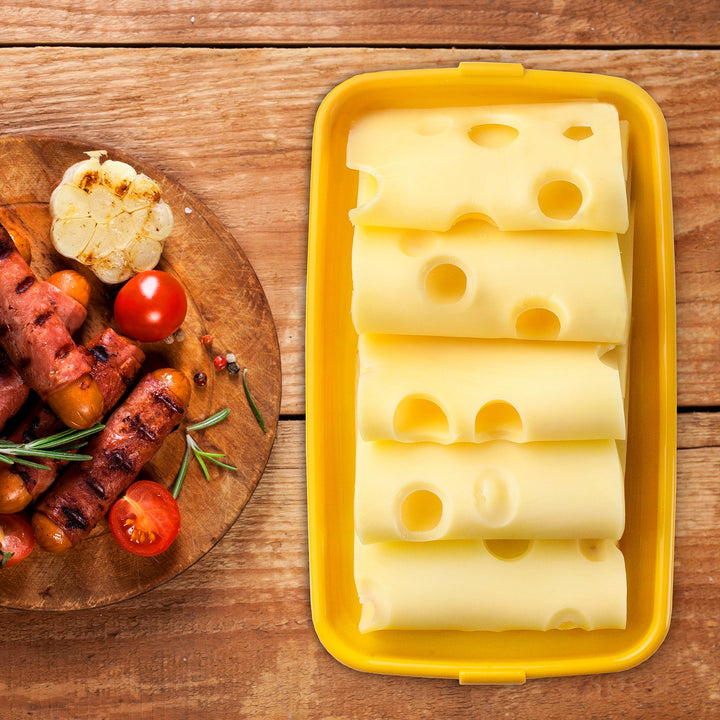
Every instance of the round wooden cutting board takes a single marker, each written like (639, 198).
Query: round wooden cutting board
(225, 300)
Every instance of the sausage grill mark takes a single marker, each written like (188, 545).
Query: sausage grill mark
(23, 474)
(137, 425)
(100, 353)
(63, 351)
(169, 402)
(120, 460)
(24, 285)
(75, 518)
(96, 486)
(41, 319)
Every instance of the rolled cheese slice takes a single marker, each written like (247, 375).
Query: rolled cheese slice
(476, 281)
(425, 491)
(491, 585)
(525, 167)
(448, 390)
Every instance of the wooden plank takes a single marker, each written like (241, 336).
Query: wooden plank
(235, 127)
(233, 636)
(372, 22)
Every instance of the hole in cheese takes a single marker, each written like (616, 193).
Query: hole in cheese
(560, 199)
(492, 135)
(445, 284)
(466, 220)
(421, 511)
(495, 498)
(508, 549)
(415, 243)
(568, 619)
(498, 420)
(578, 132)
(537, 323)
(594, 550)
(433, 125)
(420, 418)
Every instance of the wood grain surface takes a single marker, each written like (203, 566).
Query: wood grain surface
(373, 22)
(232, 637)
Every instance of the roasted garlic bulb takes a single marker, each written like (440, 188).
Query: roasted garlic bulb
(109, 217)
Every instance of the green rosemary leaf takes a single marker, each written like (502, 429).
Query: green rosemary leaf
(65, 437)
(181, 472)
(30, 463)
(5, 558)
(209, 454)
(53, 454)
(210, 421)
(222, 464)
(253, 406)
(202, 464)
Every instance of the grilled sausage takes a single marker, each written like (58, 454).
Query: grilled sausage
(69, 294)
(39, 345)
(72, 507)
(114, 364)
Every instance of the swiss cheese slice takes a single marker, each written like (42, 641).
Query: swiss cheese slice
(476, 281)
(525, 167)
(426, 491)
(491, 585)
(447, 390)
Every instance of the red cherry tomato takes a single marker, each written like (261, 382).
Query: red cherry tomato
(146, 519)
(16, 539)
(150, 306)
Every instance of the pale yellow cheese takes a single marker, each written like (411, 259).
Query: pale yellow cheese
(466, 585)
(476, 281)
(525, 167)
(426, 491)
(447, 390)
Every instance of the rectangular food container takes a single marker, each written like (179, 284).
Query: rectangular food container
(647, 544)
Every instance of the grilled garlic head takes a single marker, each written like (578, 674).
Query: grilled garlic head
(109, 217)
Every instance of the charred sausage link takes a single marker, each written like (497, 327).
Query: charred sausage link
(69, 511)
(39, 345)
(115, 363)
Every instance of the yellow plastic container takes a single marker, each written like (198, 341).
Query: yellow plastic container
(488, 657)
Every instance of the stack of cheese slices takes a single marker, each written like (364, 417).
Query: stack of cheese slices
(492, 264)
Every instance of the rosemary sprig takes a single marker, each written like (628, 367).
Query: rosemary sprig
(193, 449)
(251, 402)
(60, 446)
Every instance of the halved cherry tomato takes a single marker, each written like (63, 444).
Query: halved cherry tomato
(16, 539)
(146, 519)
(150, 306)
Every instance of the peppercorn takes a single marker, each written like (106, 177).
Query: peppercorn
(200, 378)
(207, 340)
(220, 362)
(233, 368)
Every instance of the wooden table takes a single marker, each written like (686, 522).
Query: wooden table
(221, 96)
